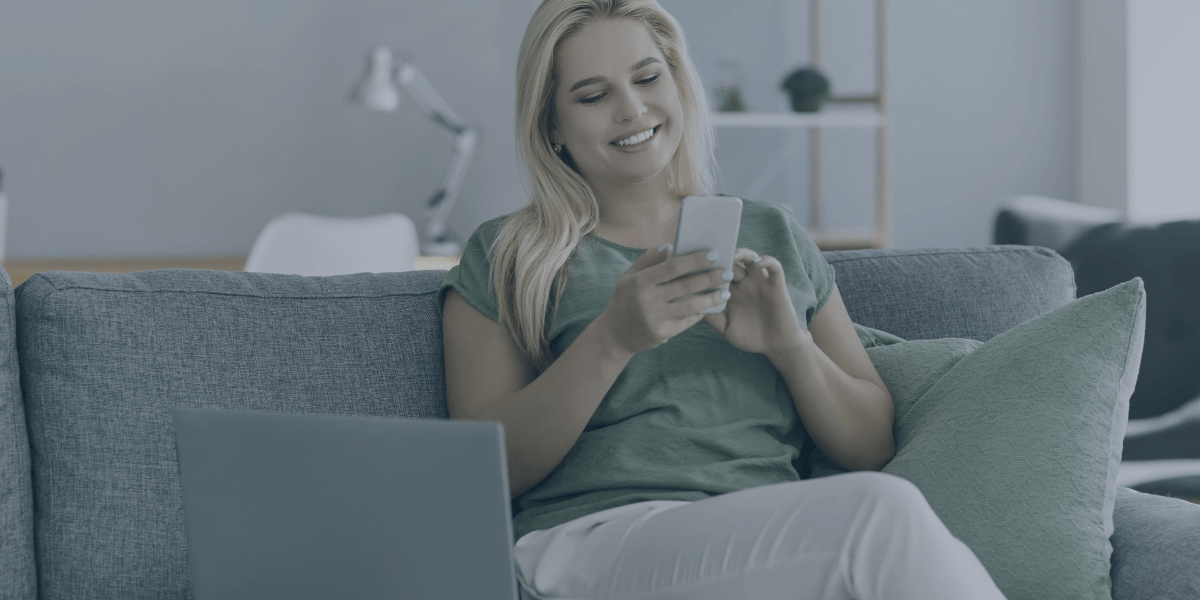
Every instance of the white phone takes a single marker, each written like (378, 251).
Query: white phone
(710, 223)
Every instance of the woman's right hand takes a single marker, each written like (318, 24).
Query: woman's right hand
(643, 313)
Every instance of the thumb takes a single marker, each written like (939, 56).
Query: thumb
(650, 257)
(717, 321)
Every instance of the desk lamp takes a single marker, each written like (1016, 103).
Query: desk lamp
(377, 91)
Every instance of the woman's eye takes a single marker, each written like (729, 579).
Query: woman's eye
(649, 80)
(591, 99)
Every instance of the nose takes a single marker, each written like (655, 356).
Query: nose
(629, 105)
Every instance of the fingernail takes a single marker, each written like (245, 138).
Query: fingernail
(727, 275)
(712, 256)
(725, 295)
(756, 259)
(662, 247)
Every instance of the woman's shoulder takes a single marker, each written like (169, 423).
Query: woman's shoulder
(762, 208)
(491, 228)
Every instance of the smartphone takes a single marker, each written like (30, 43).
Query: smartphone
(710, 223)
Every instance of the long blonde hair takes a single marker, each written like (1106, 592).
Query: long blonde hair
(530, 255)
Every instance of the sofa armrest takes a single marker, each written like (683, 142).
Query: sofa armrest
(1047, 222)
(1156, 547)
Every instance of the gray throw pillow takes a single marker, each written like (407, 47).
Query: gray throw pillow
(1015, 442)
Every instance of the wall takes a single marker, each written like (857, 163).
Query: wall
(1138, 119)
(141, 128)
(981, 104)
(179, 128)
(1164, 124)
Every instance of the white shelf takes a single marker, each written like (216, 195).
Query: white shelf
(862, 118)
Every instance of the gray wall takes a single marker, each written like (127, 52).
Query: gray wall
(144, 128)
(179, 128)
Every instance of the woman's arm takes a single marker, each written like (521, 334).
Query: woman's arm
(845, 406)
(488, 379)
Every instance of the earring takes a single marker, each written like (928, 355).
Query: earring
(557, 148)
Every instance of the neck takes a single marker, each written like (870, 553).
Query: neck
(641, 208)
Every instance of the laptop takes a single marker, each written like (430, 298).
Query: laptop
(309, 506)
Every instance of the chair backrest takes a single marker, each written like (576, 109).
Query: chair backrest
(304, 244)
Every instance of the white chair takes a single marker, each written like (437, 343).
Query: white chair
(304, 244)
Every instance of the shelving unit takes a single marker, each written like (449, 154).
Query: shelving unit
(844, 112)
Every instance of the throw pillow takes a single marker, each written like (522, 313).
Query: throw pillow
(1015, 442)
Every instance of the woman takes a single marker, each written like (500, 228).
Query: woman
(651, 455)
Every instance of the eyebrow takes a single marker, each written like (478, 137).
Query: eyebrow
(591, 80)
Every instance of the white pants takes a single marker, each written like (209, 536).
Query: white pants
(855, 535)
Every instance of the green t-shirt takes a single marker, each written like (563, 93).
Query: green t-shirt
(692, 418)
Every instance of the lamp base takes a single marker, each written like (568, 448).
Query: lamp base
(441, 249)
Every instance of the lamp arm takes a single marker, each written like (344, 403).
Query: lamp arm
(464, 140)
(441, 202)
(427, 99)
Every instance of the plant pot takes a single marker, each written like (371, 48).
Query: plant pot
(807, 104)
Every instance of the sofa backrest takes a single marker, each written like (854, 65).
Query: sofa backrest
(105, 357)
(17, 574)
(932, 293)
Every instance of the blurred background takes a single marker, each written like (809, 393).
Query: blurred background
(150, 129)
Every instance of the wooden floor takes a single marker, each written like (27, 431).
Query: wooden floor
(21, 269)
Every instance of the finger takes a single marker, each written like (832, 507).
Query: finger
(689, 306)
(741, 257)
(768, 267)
(739, 272)
(681, 265)
(650, 257)
(717, 321)
(691, 284)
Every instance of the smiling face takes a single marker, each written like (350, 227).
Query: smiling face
(617, 108)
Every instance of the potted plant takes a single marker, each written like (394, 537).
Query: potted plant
(808, 89)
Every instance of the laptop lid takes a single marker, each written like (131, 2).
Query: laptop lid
(311, 506)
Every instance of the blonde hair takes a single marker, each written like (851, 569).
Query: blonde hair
(530, 255)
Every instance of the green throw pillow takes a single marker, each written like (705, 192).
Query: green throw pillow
(1015, 442)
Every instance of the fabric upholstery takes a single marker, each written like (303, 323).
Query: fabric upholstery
(18, 578)
(106, 357)
(971, 293)
(1156, 547)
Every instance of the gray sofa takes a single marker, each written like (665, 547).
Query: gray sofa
(92, 364)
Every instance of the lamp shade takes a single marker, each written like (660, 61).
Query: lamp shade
(376, 89)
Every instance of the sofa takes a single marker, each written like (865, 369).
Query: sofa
(1162, 442)
(91, 366)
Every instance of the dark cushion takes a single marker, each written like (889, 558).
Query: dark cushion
(105, 357)
(18, 577)
(1167, 257)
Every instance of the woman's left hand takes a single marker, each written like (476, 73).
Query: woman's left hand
(759, 316)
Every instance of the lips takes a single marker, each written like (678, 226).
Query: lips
(636, 137)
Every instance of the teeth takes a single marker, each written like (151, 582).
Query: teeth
(636, 139)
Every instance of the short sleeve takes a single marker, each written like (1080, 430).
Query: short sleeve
(472, 275)
(820, 272)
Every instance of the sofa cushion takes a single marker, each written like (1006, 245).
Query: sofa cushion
(18, 578)
(105, 358)
(1156, 547)
(1016, 442)
(932, 293)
